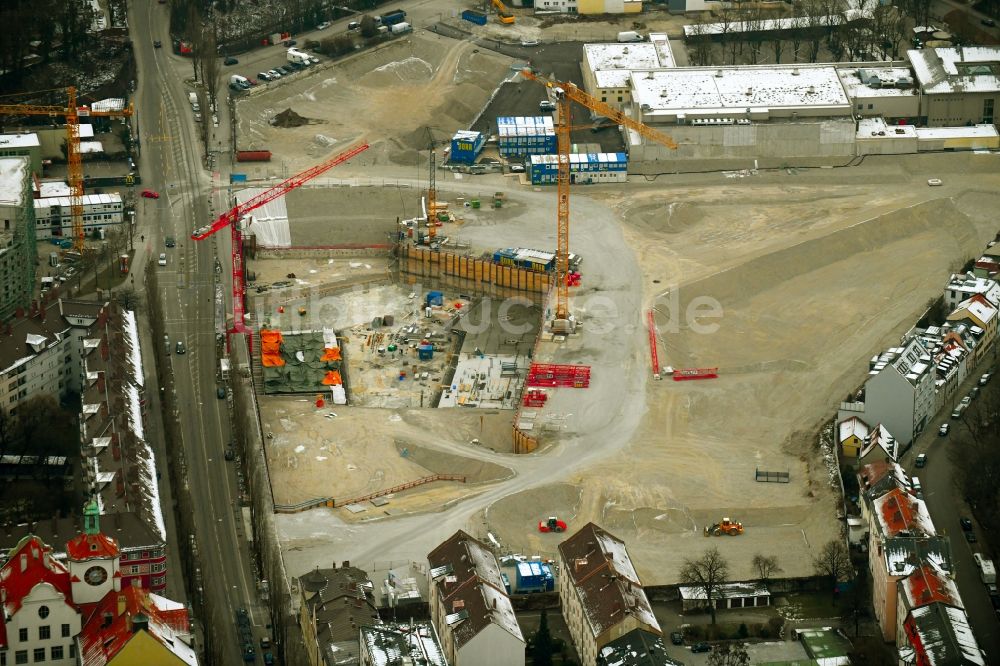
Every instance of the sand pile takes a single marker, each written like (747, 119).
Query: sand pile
(289, 118)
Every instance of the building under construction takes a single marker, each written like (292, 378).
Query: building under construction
(17, 237)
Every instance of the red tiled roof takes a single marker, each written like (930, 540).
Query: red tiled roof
(898, 511)
(927, 585)
(87, 546)
(99, 644)
(39, 567)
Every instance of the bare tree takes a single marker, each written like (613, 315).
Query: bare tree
(729, 654)
(728, 19)
(701, 42)
(706, 573)
(753, 25)
(833, 562)
(765, 566)
(814, 20)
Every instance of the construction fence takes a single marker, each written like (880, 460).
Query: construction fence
(470, 274)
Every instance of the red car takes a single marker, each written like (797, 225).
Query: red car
(150, 194)
(553, 524)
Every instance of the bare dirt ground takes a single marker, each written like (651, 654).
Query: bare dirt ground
(313, 454)
(387, 96)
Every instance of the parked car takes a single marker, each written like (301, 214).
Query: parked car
(274, 74)
(220, 392)
(934, 182)
(170, 242)
(988, 21)
(289, 43)
(943, 430)
(677, 638)
(285, 70)
(265, 643)
(230, 61)
(546, 105)
(230, 454)
(970, 537)
(529, 42)
(354, 25)
(162, 261)
(263, 76)
(974, 393)
(323, 26)
(921, 460)
(517, 168)
(150, 194)
(157, 44)
(253, 82)
(180, 348)
(701, 647)
(985, 379)
(966, 524)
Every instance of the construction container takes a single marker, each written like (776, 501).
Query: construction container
(388, 320)
(584, 168)
(466, 146)
(474, 203)
(425, 352)
(253, 155)
(518, 136)
(506, 583)
(474, 16)
(435, 298)
(534, 577)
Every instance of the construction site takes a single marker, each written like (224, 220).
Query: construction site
(670, 386)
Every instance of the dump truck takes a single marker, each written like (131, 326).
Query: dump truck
(727, 526)
(392, 18)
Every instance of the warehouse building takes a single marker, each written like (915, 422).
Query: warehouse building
(883, 92)
(54, 215)
(17, 235)
(518, 136)
(958, 86)
(22, 145)
(607, 67)
(765, 111)
(586, 6)
(584, 169)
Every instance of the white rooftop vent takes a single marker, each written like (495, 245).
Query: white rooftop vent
(718, 73)
(811, 90)
(663, 93)
(795, 72)
(749, 92)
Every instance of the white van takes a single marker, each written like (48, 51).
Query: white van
(240, 81)
(917, 488)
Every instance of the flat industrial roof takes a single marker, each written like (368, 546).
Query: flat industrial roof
(965, 69)
(977, 131)
(13, 171)
(877, 127)
(86, 199)
(613, 62)
(857, 81)
(738, 88)
(18, 140)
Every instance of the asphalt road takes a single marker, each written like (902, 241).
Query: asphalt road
(171, 163)
(946, 504)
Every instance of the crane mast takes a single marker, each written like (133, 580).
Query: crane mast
(565, 93)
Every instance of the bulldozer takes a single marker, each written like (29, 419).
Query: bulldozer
(727, 526)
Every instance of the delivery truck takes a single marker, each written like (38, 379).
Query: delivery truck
(400, 28)
(987, 572)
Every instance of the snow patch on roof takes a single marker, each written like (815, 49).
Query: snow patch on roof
(13, 171)
(132, 344)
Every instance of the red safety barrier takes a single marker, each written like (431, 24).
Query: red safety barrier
(550, 375)
(695, 373)
(654, 356)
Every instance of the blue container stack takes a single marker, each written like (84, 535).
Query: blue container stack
(526, 135)
(466, 146)
(583, 168)
(534, 577)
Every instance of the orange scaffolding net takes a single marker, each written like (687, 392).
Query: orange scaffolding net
(270, 348)
(333, 378)
(331, 354)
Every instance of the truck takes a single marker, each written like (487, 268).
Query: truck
(392, 18)
(193, 98)
(474, 16)
(987, 571)
(296, 56)
(629, 36)
(400, 28)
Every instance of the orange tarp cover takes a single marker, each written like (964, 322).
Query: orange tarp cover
(332, 378)
(270, 348)
(331, 354)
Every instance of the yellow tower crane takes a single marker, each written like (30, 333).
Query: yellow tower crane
(566, 92)
(72, 114)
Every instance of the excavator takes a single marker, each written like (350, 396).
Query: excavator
(727, 526)
(503, 14)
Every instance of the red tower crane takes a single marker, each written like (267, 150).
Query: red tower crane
(232, 217)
